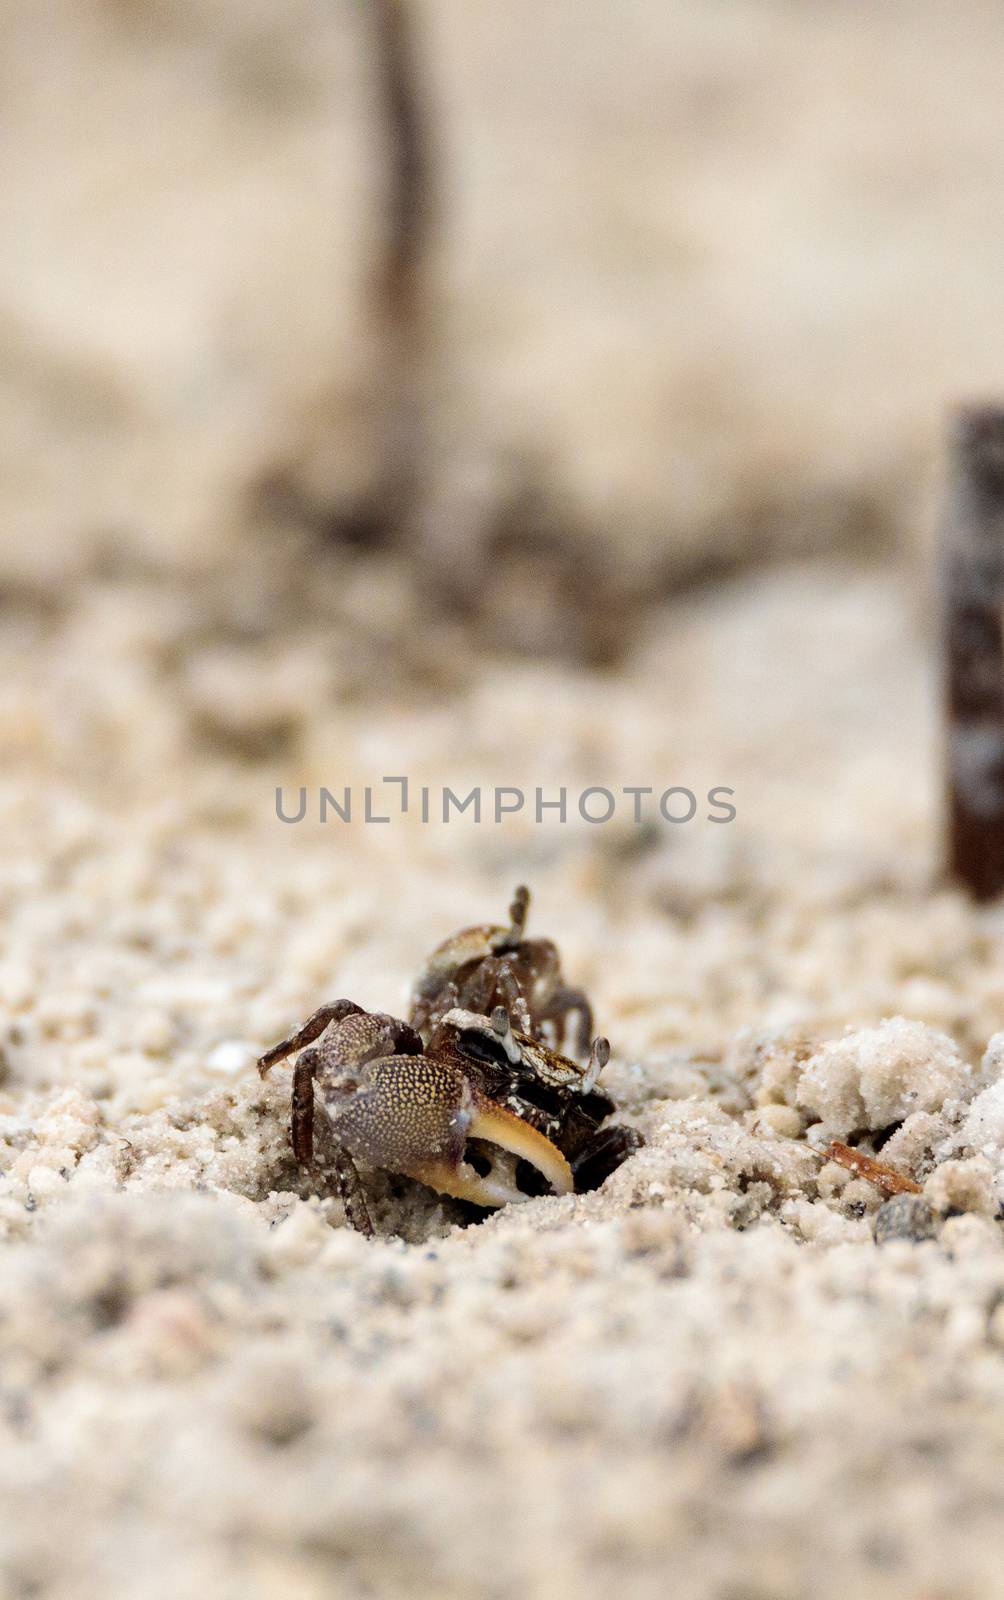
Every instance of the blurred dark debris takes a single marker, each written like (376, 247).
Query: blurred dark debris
(282, 499)
(242, 732)
(313, 611)
(540, 594)
(514, 578)
(520, 574)
(516, 584)
(255, 665)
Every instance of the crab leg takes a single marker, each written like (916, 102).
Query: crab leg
(351, 1191)
(311, 1030)
(507, 985)
(302, 1125)
(560, 1004)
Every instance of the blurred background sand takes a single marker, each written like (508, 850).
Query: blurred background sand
(701, 278)
(641, 491)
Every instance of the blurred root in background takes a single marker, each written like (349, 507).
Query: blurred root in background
(677, 287)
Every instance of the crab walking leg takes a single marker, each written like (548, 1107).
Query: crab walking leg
(507, 985)
(311, 1030)
(351, 1191)
(603, 1154)
(478, 990)
(560, 1004)
(302, 1125)
(302, 1131)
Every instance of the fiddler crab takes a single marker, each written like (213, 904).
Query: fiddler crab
(458, 1097)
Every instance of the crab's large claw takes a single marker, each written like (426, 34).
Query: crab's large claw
(414, 1115)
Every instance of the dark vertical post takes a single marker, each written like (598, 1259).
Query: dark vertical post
(973, 623)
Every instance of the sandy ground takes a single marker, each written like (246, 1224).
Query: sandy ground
(707, 1374)
(702, 286)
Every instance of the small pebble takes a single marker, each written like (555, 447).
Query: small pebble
(905, 1216)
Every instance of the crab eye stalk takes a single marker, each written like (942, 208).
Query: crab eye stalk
(599, 1055)
(510, 938)
(518, 911)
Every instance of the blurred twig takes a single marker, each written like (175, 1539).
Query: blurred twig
(885, 1178)
(408, 159)
(401, 273)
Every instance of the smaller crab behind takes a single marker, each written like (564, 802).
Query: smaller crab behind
(487, 966)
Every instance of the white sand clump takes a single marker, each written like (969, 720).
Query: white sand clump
(918, 1144)
(983, 1129)
(770, 1067)
(873, 1077)
(705, 1375)
(963, 1186)
(981, 1133)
